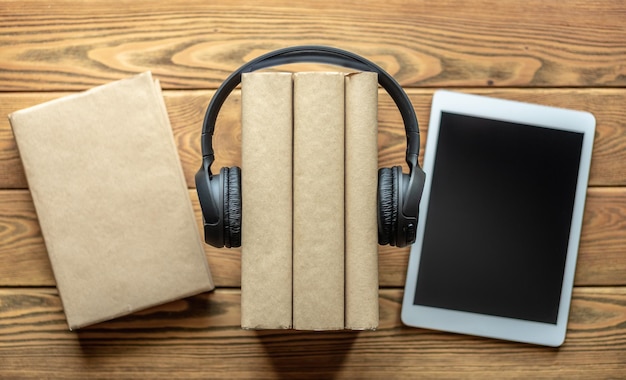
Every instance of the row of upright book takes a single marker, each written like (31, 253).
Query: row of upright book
(309, 183)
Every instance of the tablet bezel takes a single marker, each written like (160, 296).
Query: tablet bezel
(488, 325)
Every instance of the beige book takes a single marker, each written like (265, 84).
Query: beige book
(361, 181)
(112, 202)
(266, 247)
(318, 199)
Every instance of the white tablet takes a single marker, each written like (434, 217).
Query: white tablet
(500, 219)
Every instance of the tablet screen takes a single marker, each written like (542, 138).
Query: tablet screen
(499, 218)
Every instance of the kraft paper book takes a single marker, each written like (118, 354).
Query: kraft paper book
(111, 199)
(318, 201)
(309, 198)
(361, 186)
(266, 249)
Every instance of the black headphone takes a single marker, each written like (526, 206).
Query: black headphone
(399, 194)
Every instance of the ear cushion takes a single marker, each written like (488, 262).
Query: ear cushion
(232, 207)
(387, 206)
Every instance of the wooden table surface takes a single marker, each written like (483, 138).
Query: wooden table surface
(561, 53)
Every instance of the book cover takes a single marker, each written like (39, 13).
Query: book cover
(318, 199)
(266, 249)
(361, 182)
(111, 199)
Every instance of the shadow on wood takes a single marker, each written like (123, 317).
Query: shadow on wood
(307, 354)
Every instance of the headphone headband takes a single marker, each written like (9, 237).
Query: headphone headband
(399, 194)
(317, 54)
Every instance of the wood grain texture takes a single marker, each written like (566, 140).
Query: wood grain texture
(601, 261)
(187, 108)
(195, 44)
(199, 337)
(568, 54)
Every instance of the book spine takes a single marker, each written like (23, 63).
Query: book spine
(318, 191)
(266, 184)
(361, 182)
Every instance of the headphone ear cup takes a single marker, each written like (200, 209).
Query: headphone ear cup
(387, 206)
(232, 206)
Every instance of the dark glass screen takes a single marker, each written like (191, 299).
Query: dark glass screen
(499, 215)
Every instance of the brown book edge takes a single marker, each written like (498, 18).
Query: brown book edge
(318, 266)
(361, 182)
(266, 249)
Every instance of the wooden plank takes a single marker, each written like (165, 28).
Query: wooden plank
(199, 337)
(601, 261)
(74, 45)
(187, 108)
